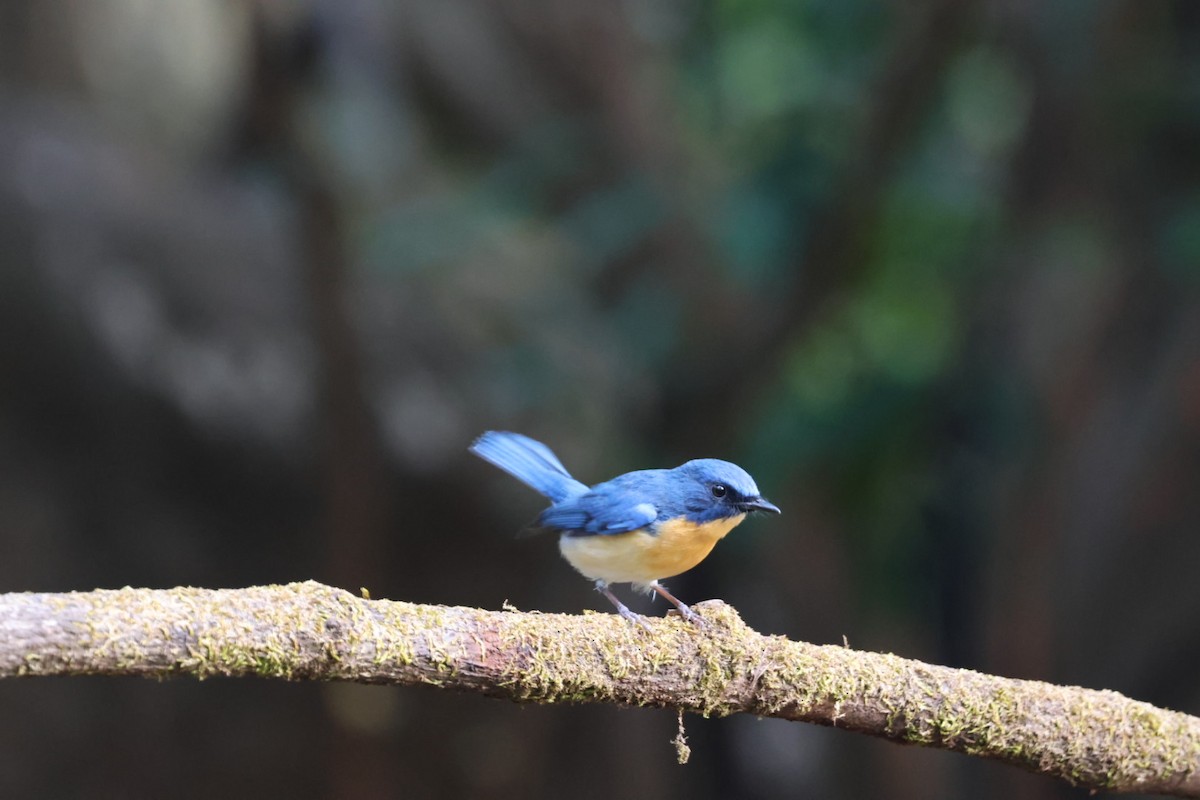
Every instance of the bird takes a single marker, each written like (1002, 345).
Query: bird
(637, 528)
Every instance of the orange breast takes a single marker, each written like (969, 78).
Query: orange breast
(641, 557)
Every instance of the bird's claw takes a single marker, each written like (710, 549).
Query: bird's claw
(636, 618)
(689, 615)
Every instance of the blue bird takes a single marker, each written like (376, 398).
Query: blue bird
(637, 528)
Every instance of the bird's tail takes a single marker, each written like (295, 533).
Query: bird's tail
(528, 461)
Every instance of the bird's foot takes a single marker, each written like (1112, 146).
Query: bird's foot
(623, 609)
(636, 618)
(685, 611)
(681, 608)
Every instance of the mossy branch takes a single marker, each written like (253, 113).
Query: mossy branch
(307, 631)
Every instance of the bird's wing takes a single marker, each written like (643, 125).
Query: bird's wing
(600, 513)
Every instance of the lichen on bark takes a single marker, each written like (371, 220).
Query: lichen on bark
(308, 631)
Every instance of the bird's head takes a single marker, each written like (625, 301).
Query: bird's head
(718, 489)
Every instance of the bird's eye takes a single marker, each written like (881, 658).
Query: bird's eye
(718, 490)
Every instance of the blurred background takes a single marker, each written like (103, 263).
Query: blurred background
(929, 270)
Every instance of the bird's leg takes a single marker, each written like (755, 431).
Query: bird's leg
(685, 610)
(622, 609)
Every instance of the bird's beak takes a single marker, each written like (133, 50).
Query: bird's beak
(759, 504)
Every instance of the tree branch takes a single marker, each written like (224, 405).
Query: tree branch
(307, 631)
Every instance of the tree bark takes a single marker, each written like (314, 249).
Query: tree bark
(308, 631)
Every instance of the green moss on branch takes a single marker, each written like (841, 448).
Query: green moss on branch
(307, 631)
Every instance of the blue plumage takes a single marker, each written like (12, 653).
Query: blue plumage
(529, 461)
(642, 525)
